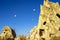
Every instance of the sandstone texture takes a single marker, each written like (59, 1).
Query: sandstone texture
(48, 27)
(7, 34)
(23, 37)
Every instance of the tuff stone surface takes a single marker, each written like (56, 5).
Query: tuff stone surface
(23, 37)
(48, 27)
(7, 34)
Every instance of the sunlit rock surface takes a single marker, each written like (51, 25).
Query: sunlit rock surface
(7, 34)
(23, 37)
(48, 27)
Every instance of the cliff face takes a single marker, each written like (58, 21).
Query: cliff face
(48, 27)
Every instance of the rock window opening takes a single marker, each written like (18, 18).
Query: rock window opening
(41, 32)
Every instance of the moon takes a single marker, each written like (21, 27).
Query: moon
(15, 15)
(34, 9)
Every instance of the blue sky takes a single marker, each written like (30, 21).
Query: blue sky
(21, 15)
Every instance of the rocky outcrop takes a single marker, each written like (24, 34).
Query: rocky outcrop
(7, 34)
(48, 27)
(23, 37)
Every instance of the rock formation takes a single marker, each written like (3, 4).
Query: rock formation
(23, 37)
(48, 27)
(7, 34)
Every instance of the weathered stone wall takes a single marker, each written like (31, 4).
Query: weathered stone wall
(48, 27)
